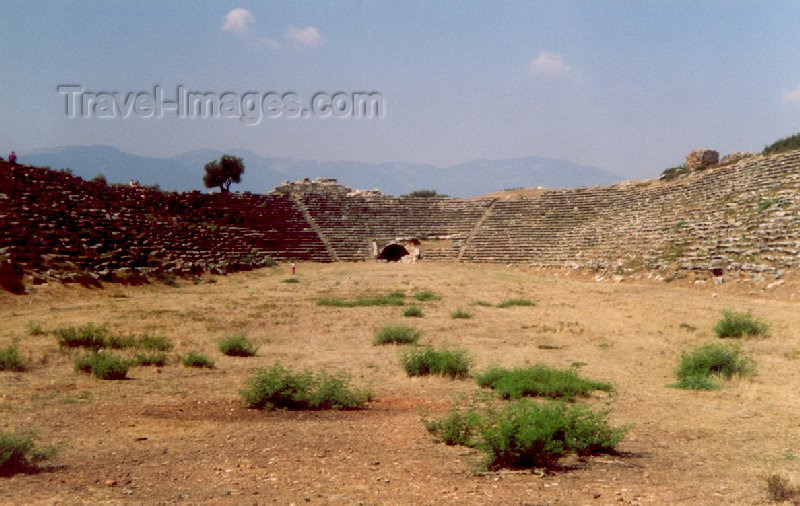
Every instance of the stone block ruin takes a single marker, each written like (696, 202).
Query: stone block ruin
(743, 216)
(702, 158)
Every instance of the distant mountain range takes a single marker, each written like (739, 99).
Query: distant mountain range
(185, 172)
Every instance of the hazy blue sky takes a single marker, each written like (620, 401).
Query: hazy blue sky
(626, 86)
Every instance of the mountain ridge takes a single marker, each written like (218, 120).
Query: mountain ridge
(184, 172)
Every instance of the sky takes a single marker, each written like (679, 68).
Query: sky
(627, 86)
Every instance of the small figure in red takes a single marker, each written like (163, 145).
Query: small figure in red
(294, 268)
(12, 158)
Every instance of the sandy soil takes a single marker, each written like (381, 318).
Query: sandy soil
(173, 434)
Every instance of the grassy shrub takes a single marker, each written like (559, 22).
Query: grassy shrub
(104, 366)
(483, 303)
(413, 312)
(674, 172)
(786, 144)
(460, 314)
(87, 336)
(92, 337)
(526, 433)
(18, 453)
(456, 428)
(156, 358)
(157, 343)
(279, 387)
(119, 342)
(696, 369)
(766, 204)
(422, 362)
(291, 280)
(735, 324)
(396, 334)
(516, 302)
(194, 359)
(168, 279)
(36, 329)
(539, 381)
(10, 359)
(391, 299)
(426, 295)
(237, 346)
(424, 194)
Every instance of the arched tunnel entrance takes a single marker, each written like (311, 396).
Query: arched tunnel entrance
(392, 253)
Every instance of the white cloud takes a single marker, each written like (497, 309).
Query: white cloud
(549, 64)
(793, 96)
(238, 21)
(308, 36)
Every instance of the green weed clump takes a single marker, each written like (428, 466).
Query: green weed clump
(103, 366)
(426, 295)
(157, 343)
(280, 387)
(527, 433)
(456, 428)
(453, 363)
(18, 453)
(237, 346)
(119, 342)
(696, 368)
(87, 336)
(92, 337)
(735, 324)
(460, 314)
(516, 302)
(674, 172)
(155, 358)
(291, 280)
(539, 381)
(766, 204)
(36, 329)
(10, 359)
(786, 144)
(391, 299)
(396, 334)
(194, 359)
(413, 312)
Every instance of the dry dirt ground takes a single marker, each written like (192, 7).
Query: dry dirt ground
(174, 434)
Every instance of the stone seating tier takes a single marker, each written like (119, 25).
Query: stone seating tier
(744, 216)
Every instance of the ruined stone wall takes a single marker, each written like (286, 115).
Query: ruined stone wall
(352, 221)
(56, 226)
(744, 216)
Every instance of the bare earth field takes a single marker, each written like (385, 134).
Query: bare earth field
(175, 434)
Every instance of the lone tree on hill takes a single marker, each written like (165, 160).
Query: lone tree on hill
(223, 173)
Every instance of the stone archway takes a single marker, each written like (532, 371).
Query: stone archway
(392, 253)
